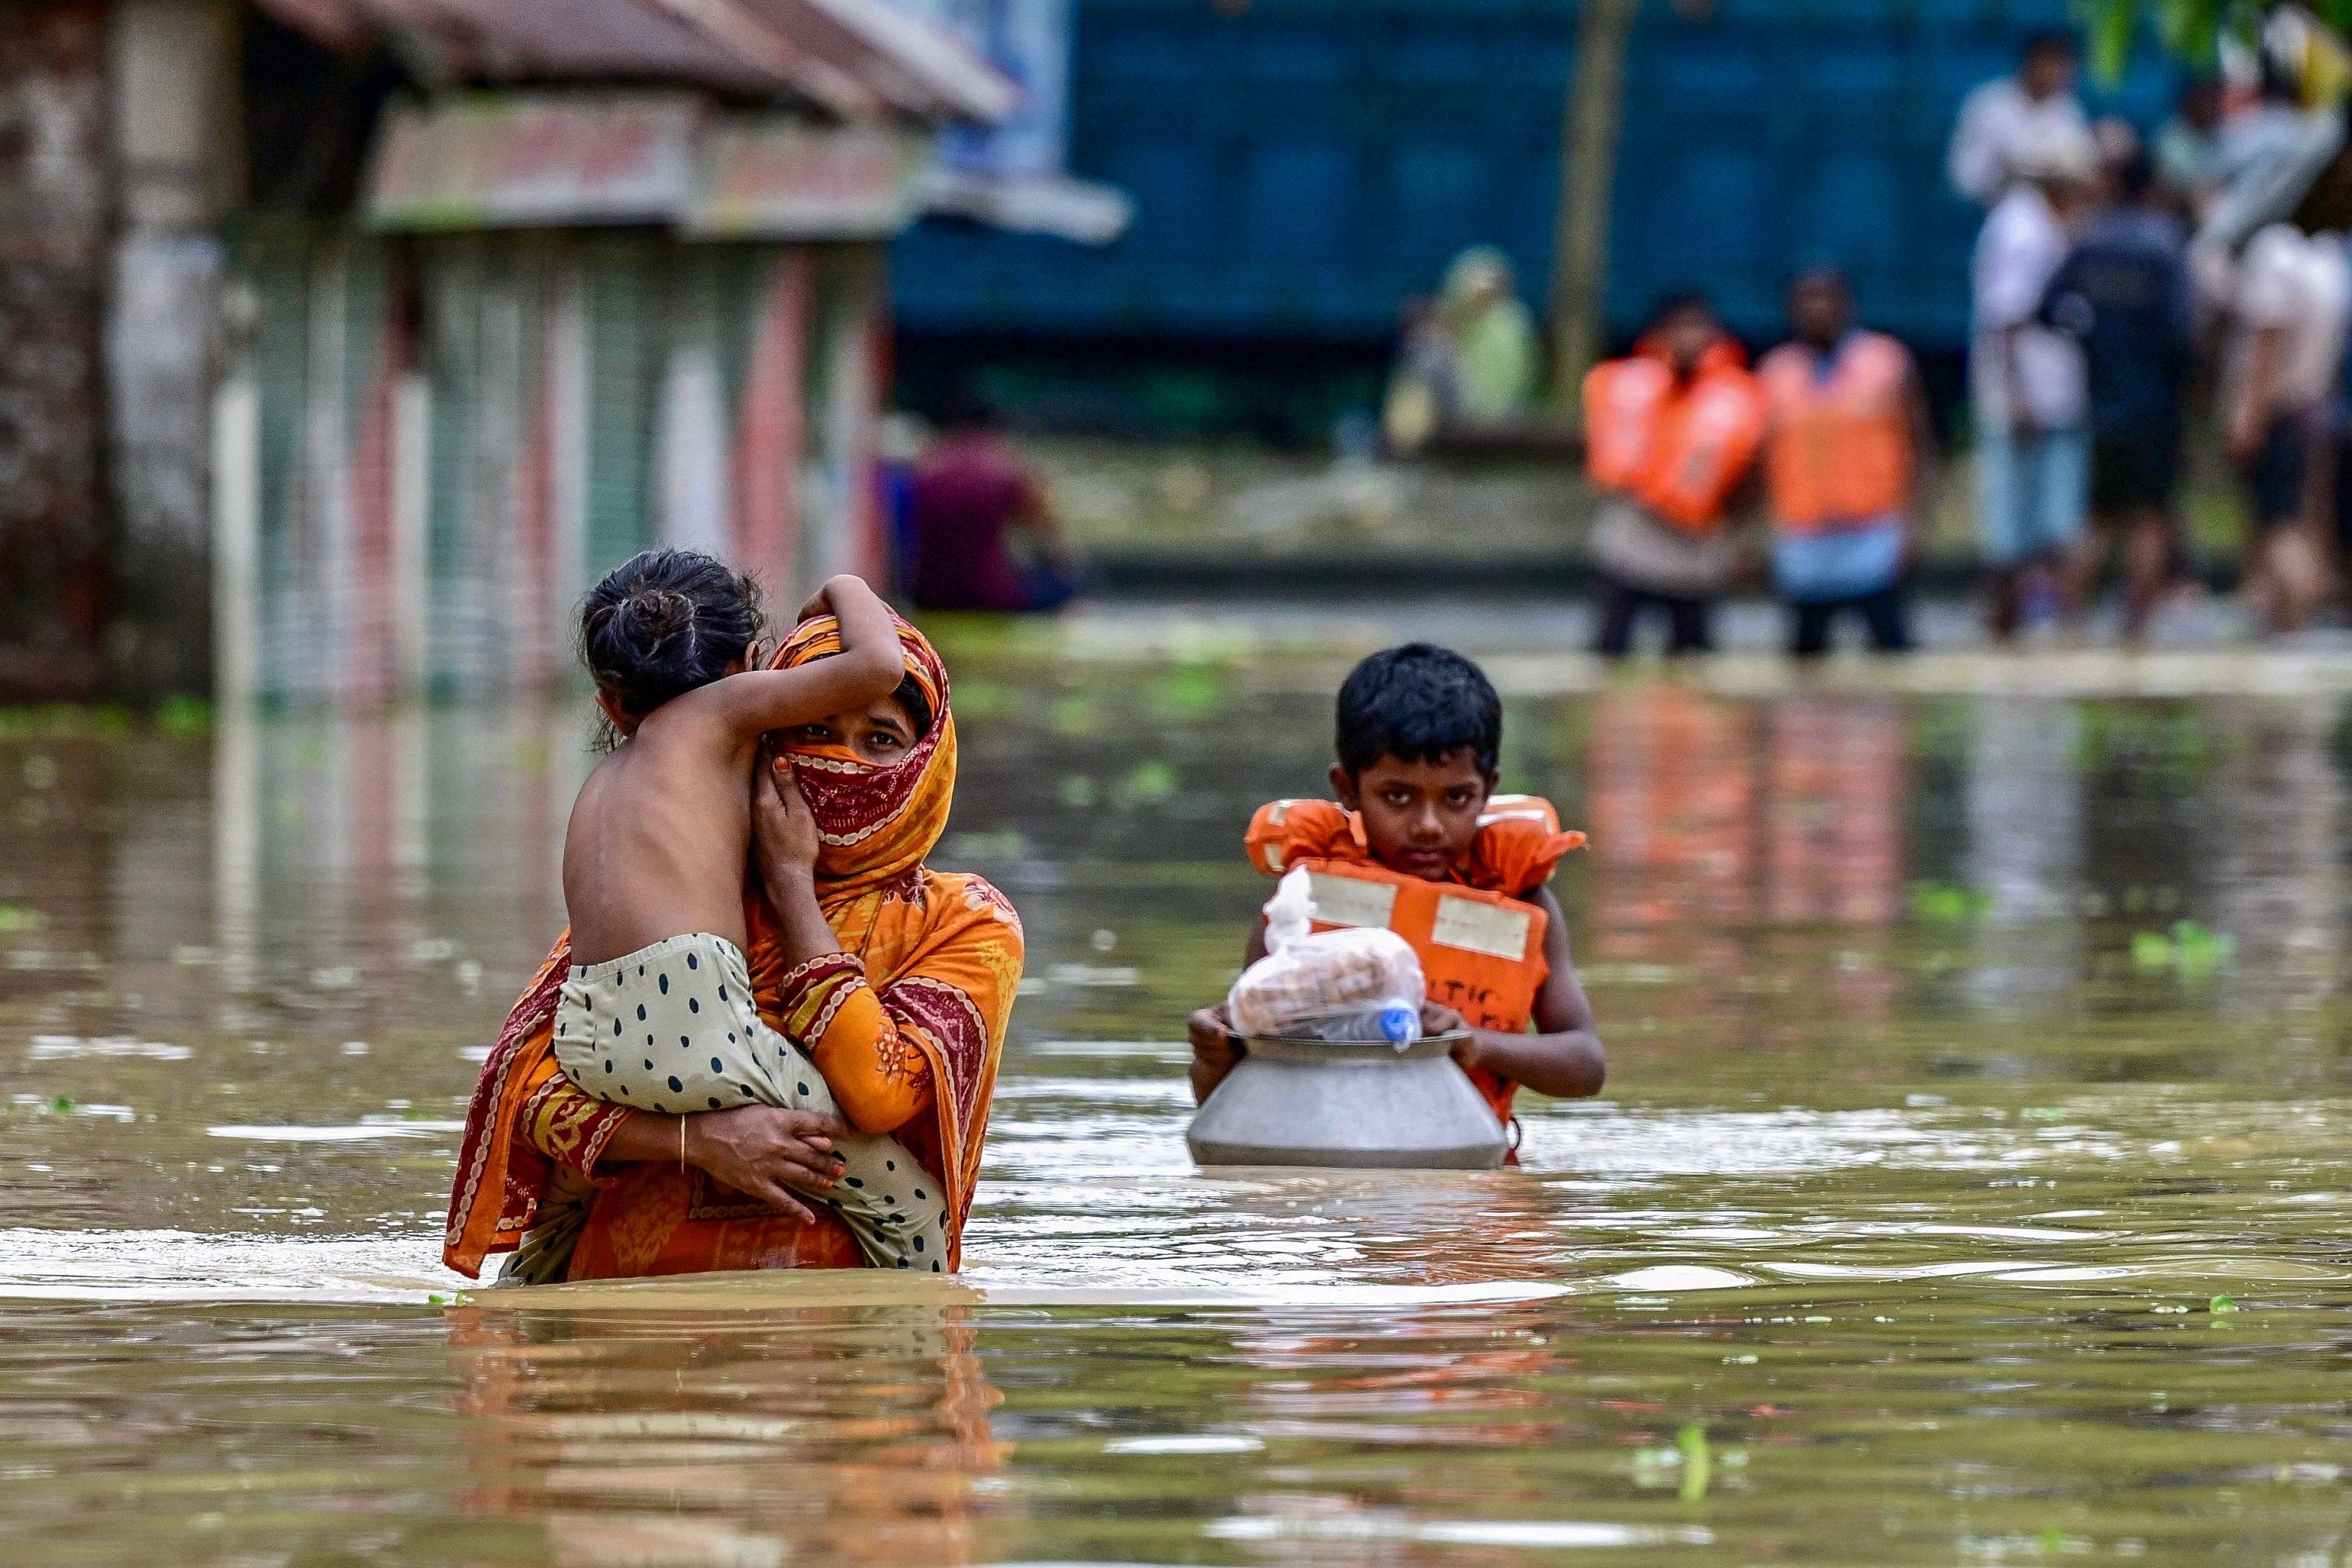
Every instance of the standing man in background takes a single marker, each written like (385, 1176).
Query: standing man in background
(2009, 113)
(2123, 294)
(1671, 433)
(1843, 467)
(2026, 383)
(2289, 301)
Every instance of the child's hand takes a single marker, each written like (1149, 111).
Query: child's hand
(823, 603)
(1437, 1018)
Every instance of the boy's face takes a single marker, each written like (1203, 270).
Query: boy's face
(1419, 817)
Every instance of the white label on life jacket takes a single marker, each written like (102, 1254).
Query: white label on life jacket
(1474, 927)
(1346, 901)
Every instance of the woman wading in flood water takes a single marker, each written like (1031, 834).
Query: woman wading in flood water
(901, 994)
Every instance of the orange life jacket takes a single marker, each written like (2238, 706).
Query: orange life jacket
(1678, 448)
(1481, 948)
(1838, 448)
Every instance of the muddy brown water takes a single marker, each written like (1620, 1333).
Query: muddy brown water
(1970, 1186)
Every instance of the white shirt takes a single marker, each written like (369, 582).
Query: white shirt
(2018, 249)
(1997, 119)
(2302, 283)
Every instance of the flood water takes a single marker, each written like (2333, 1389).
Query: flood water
(1970, 1186)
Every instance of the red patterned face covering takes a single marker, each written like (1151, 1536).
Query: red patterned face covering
(877, 822)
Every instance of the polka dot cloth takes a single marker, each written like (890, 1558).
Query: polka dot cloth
(696, 990)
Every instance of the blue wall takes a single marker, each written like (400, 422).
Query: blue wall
(1301, 166)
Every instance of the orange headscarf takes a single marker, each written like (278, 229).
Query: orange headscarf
(930, 960)
(877, 822)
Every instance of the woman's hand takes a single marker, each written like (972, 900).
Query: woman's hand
(783, 830)
(759, 1149)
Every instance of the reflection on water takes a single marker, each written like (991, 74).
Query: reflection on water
(1971, 1185)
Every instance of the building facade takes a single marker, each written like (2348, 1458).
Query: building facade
(360, 336)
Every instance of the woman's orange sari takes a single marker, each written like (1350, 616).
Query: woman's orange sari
(907, 1023)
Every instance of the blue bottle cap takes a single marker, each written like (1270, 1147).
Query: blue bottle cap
(1400, 1025)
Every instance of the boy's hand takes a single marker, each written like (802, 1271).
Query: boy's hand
(1214, 1053)
(1212, 1034)
(1437, 1018)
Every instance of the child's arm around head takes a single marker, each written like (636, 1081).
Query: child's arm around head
(869, 667)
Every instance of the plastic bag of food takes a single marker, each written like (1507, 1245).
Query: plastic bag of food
(1360, 984)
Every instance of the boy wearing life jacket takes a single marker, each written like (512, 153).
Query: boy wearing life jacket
(1419, 842)
(1843, 448)
(1670, 434)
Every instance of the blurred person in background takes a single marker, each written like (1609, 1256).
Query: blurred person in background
(1493, 337)
(2187, 148)
(1844, 466)
(2289, 298)
(1469, 358)
(1671, 434)
(984, 536)
(2026, 383)
(2124, 293)
(2009, 113)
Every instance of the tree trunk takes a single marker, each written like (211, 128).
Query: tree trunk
(1590, 122)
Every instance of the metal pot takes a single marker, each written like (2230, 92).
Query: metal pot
(1321, 1102)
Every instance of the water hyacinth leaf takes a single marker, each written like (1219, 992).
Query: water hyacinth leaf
(1948, 903)
(1191, 692)
(2220, 1305)
(1071, 715)
(1148, 783)
(2151, 950)
(1697, 1461)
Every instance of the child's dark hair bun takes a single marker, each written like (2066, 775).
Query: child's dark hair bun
(664, 622)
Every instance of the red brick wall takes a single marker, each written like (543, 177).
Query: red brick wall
(54, 204)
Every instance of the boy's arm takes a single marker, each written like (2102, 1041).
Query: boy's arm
(1215, 1050)
(1566, 1060)
(869, 667)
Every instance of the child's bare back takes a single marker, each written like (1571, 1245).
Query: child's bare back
(656, 842)
(657, 1013)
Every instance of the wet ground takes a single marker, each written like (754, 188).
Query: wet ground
(1970, 1187)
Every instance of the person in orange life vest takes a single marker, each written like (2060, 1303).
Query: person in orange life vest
(1671, 433)
(1843, 469)
(1420, 729)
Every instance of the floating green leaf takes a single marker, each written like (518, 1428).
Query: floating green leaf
(62, 1104)
(1191, 693)
(1148, 783)
(184, 718)
(2219, 1305)
(1948, 903)
(19, 918)
(1697, 1461)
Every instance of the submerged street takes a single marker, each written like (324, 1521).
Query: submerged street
(1969, 1185)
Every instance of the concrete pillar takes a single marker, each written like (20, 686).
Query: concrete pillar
(172, 134)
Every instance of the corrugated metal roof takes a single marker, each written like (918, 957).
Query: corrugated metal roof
(858, 59)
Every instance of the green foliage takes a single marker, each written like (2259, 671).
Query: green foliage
(1948, 903)
(2191, 949)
